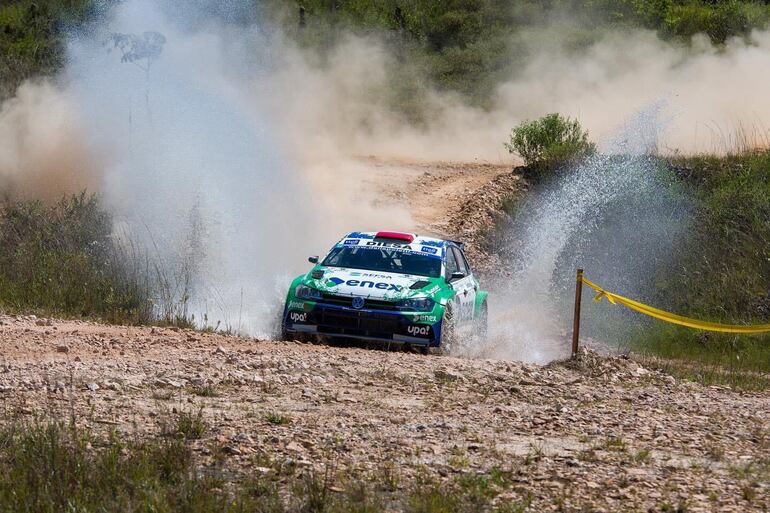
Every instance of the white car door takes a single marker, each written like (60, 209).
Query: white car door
(466, 288)
(465, 293)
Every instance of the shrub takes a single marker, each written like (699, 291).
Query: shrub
(550, 142)
(62, 259)
(32, 37)
(717, 21)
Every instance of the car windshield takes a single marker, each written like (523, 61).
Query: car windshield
(384, 260)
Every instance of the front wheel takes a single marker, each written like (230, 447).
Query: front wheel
(448, 338)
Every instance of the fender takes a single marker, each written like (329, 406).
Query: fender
(481, 298)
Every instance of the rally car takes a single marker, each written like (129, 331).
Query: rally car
(392, 287)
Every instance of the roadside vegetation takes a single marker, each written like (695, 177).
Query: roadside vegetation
(550, 144)
(57, 467)
(719, 272)
(468, 46)
(722, 272)
(465, 46)
(32, 37)
(63, 258)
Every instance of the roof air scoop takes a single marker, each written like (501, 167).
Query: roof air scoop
(399, 236)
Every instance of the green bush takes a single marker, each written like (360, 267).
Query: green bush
(716, 21)
(550, 142)
(62, 259)
(51, 467)
(725, 264)
(466, 46)
(32, 35)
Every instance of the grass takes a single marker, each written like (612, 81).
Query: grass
(738, 362)
(32, 37)
(64, 259)
(182, 424)
(205, 391)
(50, 467)
(61, 259)
(718, 271)
(278, 419)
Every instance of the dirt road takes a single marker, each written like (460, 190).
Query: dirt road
(599, 434)
(603, 434)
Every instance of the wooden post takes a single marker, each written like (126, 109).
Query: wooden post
(576, 321)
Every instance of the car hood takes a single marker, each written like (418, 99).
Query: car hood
(370, 284)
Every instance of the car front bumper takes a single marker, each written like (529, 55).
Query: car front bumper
(363, 324)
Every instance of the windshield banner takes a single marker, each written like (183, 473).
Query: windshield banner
(414, 248)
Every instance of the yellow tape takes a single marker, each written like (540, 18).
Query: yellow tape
(672, 318)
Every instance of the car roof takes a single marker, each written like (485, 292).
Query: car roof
(418, 239)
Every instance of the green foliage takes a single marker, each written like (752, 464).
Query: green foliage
(722, 271)
(739, 361)
(50, 468)
(469, 45)
(726, 266)
(53, 467)
(32, 37)
(550, 142)
(278, 419)
(718, 21)
(62, 259)
(719, 271)
(190, 425)
(466, 46)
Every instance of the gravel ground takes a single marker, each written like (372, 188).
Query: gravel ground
(597, 433)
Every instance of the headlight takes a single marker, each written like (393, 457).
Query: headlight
(305, 292)
(422, 304)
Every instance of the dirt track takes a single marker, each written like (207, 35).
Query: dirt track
(608, 435)
(600, 435)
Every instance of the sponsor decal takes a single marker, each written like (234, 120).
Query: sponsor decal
(351, 242)
(428, 249)
(333, 282)
(418, 330)
(388, 245)
(296, 304)
(298, 316)
(360, 235)
(427, 318)
(403, 248)
(371, 285)
(371, 275)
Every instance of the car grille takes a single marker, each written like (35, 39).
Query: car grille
(374, 304)
(356, 321)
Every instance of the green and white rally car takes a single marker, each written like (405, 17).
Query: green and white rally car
(388, 286)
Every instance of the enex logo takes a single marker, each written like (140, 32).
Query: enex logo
(333, 282)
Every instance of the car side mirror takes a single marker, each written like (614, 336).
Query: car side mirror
(313, 259)
(456, 276)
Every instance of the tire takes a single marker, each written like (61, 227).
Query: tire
(448, 333)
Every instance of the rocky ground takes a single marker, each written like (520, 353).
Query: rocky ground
(598, 434)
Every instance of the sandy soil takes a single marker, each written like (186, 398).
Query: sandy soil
(599, 433)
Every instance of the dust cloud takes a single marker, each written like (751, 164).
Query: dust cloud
(232, 153)
(42, 145)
